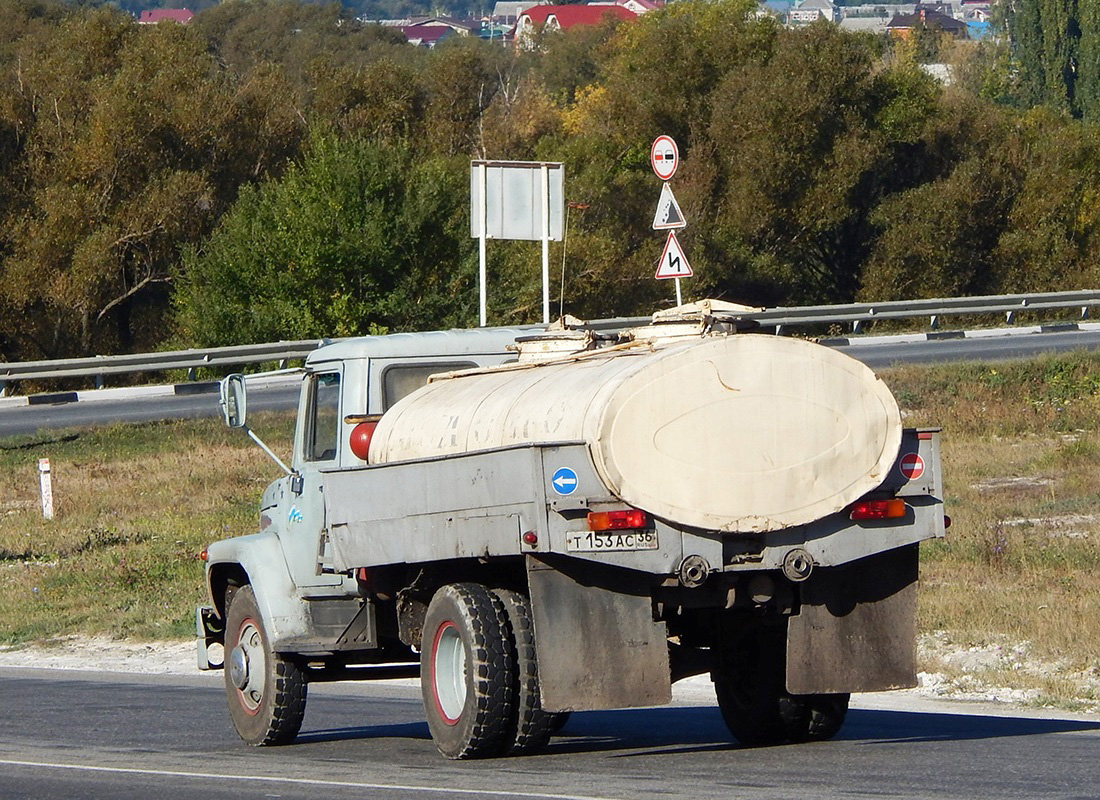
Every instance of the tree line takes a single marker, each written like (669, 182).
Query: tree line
(278, 170)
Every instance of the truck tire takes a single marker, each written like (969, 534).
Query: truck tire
(467, 671)
(750, 684)
(824, 718)
(266, 693)
(529, 727)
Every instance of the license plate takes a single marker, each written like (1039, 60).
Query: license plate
(610, 541)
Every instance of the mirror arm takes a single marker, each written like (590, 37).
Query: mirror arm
(268, 450)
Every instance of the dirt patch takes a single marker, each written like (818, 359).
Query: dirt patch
(1027, 483)
(102, 654)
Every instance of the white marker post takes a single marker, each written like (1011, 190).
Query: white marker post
(45, 482)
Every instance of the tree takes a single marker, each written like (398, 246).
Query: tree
(802, 143)
(1088, 61)
(359, 237)
(135, 141)
(938, 236)
(1051, 237)
(293, 35)
(1046, 40)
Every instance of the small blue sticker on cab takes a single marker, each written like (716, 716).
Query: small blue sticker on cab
(565, 481)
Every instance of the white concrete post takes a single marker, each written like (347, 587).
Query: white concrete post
(45, 482)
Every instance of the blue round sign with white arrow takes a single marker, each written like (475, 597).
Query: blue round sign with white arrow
(565, 481)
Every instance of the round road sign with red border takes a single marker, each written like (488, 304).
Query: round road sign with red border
(912, 466)
(664, 156)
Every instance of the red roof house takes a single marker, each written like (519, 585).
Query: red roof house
(563, 18)
(180, 15)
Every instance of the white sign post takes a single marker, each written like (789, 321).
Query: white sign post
(46, 485)
(664, 157)
(516, 200)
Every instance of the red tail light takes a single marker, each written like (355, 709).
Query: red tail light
(617, 520)
(894, 508)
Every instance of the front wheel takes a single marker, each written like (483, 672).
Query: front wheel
(467, 672)
(266, 693)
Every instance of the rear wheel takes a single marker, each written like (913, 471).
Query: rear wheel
(750, 684)
(265, 692)
(530, 727)
(824, 717)
(467, 671)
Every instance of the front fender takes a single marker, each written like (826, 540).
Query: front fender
(258, 560)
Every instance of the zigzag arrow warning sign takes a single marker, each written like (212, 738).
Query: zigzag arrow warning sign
(674, 263)
(668, 214)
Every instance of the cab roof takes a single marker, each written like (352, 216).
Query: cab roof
(424, 344)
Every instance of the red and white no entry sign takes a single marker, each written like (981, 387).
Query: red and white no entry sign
(664, 156)
(912, 466)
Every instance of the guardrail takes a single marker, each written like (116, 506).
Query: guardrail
(855, 314)
(858, 314)
(99, 366)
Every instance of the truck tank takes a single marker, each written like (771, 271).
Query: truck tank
(728, 432)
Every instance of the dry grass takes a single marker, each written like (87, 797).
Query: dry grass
(1022, 482)
(1015, 585)
(134, 506)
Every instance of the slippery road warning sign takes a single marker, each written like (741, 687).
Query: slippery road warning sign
(664, 156)
(674, 263)
(668, 214)
(912, 466)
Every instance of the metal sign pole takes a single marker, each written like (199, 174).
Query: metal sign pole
(679, 300)
(483, 223)
(545, 244)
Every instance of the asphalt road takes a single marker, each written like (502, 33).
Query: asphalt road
(98, 736)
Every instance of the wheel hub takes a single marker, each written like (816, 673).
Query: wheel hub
(237, 664)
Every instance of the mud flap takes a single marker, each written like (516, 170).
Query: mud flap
(856, 630)
(596, 642)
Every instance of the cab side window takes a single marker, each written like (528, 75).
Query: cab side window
(324, 417)
(400, 380)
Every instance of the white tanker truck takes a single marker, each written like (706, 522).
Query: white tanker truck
(576, 521)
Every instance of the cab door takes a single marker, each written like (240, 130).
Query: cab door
(317, 447)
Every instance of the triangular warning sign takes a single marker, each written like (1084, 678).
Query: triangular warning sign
(674, 263)
(668, 214)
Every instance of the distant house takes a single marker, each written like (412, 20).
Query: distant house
(774, 8)
(637, 6)
(463, 27)
(903, 25)
(426, 36)
(563, 18)
(865, 24)
(180, 15)
(509, 10)
(430, 31)
(809, 11)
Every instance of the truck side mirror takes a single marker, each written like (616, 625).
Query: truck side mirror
(234, 400)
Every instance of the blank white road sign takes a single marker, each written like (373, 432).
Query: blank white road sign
(514, 199)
